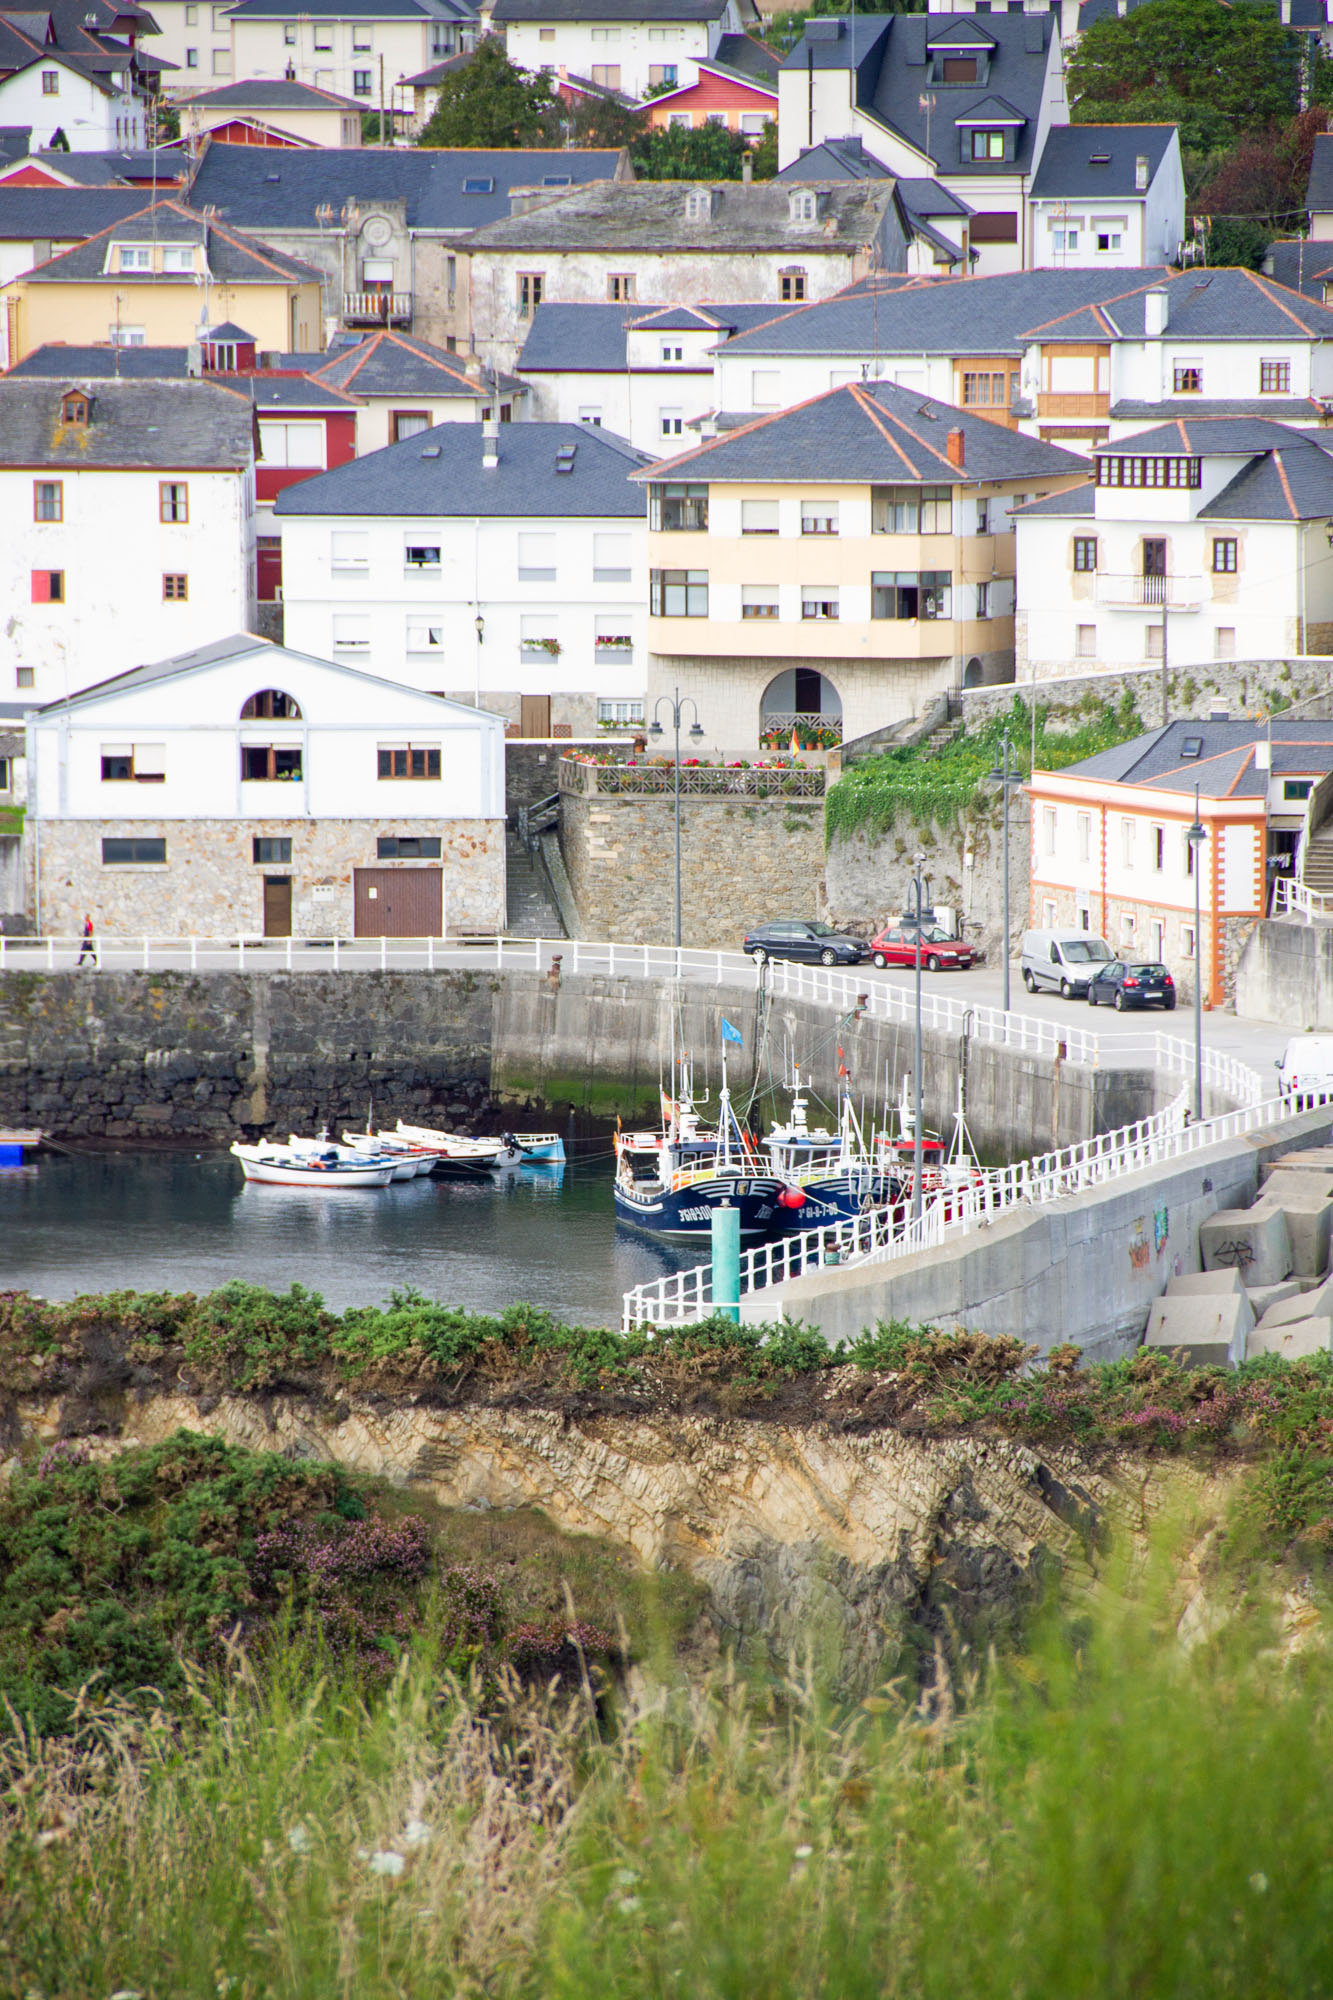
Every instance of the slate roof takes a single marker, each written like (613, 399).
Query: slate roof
(650, 215)
(1302, 265)
(14, 142)
(990, 315)
(232, 259)
(1319, 188)
(834, 160)
(1203, 437)
(1079, 500)
(608, 10)
(1278, 409)
(1080, 162)
(60, 214)
(592, 339)
(870, 432)
(1225, 765)
(1202, 305)
(273, 94)
(430, 79)
(347, 10)
(744, 56)
(265, 188)
(109, 170)
(440, 472)
(397, 364)
(890, 55)
(133, 424)
(1294, 482)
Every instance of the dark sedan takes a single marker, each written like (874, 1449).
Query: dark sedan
(794, 939)
(1139, 983)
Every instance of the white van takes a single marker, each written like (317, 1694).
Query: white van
(1305, 1069)
(1065, 960)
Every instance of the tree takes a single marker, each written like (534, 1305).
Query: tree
(490, 102)
(1217, 71)
(708, 153)
(1236, 240)
(602, 121)
(1262, 180)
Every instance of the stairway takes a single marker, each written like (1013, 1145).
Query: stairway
(531, 908)
(1317, 864)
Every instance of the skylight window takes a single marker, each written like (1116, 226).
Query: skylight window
(1192, 747)
(479, 184)
(557, 180)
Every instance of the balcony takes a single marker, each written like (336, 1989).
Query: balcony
(1073, 403)
(1136, 593)
(377, 308)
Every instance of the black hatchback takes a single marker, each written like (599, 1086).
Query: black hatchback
(1140, 983)
(791, 938)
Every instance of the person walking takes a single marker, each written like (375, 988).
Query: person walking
(88, 948)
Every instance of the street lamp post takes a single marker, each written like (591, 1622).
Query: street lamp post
(918, 861)
(1007, 780)
(676, 702)
(1196, 836)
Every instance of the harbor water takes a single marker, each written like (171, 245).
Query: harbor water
(185, 1222)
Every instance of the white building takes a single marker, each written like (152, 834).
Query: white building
(627, 45)
(348, 46)
(647, 378)
(497, 564)
(126, 525)
(1108, 194)
(1206, 539)
(51, 91)
(248, 789)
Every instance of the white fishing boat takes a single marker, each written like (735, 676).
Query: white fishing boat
(457, 1150)
(279, 1166)
(404, 1168)
(412, 1161)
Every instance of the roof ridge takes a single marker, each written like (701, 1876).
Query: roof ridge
(862, 396)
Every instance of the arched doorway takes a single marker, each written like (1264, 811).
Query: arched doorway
(972, 674)
(804, 700)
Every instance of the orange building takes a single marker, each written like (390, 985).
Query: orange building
(737, 88)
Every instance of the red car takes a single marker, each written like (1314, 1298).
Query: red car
(896, 945)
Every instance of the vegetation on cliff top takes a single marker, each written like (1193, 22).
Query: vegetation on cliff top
(937, 788)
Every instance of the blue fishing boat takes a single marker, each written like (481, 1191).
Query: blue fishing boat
(829, 1177)
(670, 1181)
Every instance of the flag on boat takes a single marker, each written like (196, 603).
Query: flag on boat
(730, 1034)
(842, 1064)
(670, 1109)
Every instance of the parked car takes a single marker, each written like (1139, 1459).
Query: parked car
(791, 938)
(1305, 1069)
(896, 945)
(1065, 960)
(1138, 983)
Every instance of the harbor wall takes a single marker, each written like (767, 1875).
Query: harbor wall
(123, 1057)
(1084, 1269)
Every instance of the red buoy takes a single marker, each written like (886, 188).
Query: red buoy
(792, 1197)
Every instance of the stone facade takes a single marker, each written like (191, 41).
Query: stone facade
(1246, 687)
(210, 885)
(742, 862)
(868, 878)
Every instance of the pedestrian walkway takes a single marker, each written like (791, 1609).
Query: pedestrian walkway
(531, 910)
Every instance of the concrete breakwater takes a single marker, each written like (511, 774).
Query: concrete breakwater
(119, 1057)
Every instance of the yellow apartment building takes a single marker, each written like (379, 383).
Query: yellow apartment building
(153, 280)
(830, 568)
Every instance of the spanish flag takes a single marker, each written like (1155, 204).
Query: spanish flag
(795, 743)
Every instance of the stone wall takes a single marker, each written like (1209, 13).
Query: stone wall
(868, 878)
(742, 862)
(532, 764)
(1244, 687)
(1285, 974)
(211, 886)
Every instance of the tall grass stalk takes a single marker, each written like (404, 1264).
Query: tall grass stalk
(1106, 1815)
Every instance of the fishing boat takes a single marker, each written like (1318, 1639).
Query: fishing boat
(829, 1177)
(279, 1166)
(670, 1181)
(403, 1166)
(539, 1149)
(412, 1161)
(455, 1149)
(942, 1172)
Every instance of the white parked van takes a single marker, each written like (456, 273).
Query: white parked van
(1305, 1069)
(1064, 960)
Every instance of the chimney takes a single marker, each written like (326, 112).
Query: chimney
(1140, 173)
(1286, 13)
(953, 445)
(747, 168)
(1219, 712)
(1156, 307)
(490, 444)
(194, 358)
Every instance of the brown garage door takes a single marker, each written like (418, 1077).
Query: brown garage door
(399, 902)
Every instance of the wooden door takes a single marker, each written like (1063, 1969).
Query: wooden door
(277, 906)
(398, 902)
(535, 714)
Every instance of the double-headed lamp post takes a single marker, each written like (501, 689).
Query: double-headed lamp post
(1196, 835)
(1007, 779)
(676, 703)
(918, 862)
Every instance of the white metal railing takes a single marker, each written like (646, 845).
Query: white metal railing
(1294, 899)
(1177, 593)
(1167, 1136)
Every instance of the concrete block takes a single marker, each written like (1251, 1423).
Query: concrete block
(1308, 1207)
(1293, 1339)
(1261, 1297)
(1210, 1329)
(1194, 1284)
(1315, 1304)
(1252, 1241)
(1315, 1160)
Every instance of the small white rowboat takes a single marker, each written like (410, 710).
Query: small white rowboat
(279, 1166)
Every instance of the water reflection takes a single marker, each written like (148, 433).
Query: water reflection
(190, 1223)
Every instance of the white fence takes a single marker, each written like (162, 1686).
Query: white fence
(1293, 899)
(1165, 1138)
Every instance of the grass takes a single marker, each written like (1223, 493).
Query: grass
(940, 788)
(1106, 1814)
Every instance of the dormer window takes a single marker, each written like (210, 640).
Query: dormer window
(136, 257)
(74, 407)
(987, 145)
(700, 203)
(803, 205)
(958, 69)
(178, 257)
